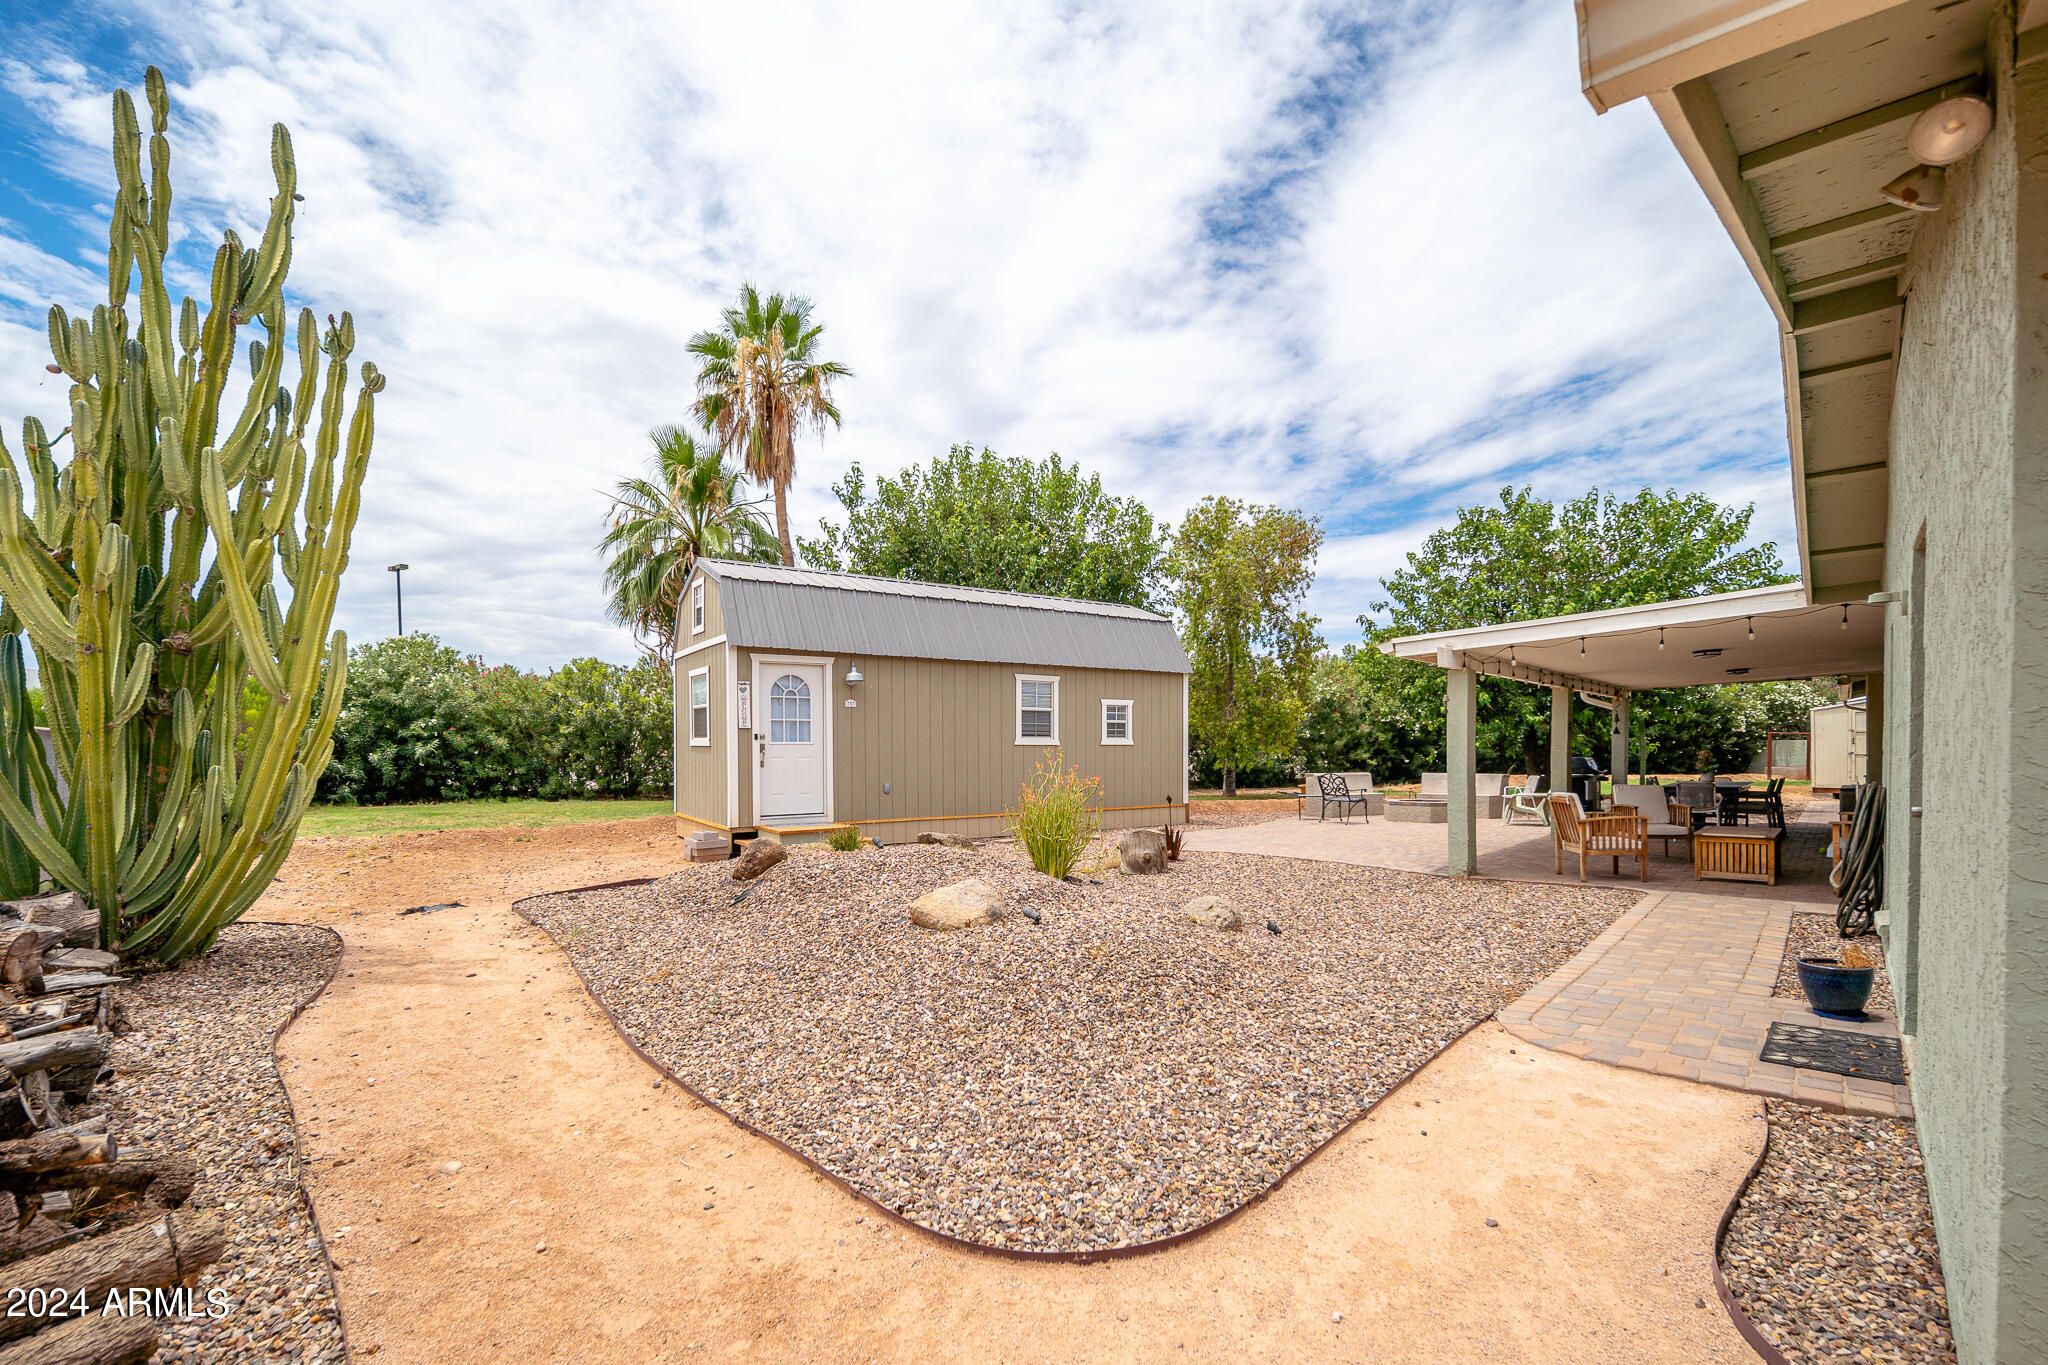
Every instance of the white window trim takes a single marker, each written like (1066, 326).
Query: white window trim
(1017, 709)
(697, 607)
(1130, 720)
(689, 691)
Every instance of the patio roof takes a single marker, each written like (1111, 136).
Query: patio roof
(1758, 635)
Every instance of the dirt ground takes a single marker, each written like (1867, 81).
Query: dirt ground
(601, 1215)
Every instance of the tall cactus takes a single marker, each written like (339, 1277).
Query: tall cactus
(166, 562)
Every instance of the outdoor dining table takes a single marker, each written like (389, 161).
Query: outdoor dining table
(1729, 794)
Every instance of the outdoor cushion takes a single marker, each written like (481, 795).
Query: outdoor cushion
(1647, 798)
(1669, 831)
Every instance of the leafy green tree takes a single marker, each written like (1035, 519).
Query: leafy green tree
(1240, 574)
(1530, 557)
(990, 521)
(608, 729)
(1364, 717)
(422, 722)
(687, 507)
(760, 379)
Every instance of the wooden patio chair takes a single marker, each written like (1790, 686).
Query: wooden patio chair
(1617, 834)
(1668, 821)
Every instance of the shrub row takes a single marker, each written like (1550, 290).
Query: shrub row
(422, 722)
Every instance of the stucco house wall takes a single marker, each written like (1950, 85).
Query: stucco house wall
(1966, 720)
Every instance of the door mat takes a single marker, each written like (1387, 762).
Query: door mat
(1835, 1050)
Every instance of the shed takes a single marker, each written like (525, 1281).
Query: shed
(1838, 745)
(808, 700)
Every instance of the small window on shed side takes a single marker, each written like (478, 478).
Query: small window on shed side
(697, 608)
(1116, 721)
(700, 708)
(1038, 710)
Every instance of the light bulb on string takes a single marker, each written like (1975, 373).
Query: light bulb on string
(1752, 626)
(1582, 646)
(1660, 637)
(1845, 616)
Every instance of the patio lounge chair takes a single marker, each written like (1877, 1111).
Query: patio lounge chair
(1524, 800)
(1667, 821)
(1337, 792)
(1617, 834)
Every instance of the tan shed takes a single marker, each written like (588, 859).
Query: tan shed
(1838, 745)
(807, 701)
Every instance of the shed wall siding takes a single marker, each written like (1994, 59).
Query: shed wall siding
(1968, 462)
(943, 735)
(700, 771)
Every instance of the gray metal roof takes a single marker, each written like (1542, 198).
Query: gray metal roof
(767, 606)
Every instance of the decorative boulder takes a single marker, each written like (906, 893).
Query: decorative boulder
(949, 840)
(1143, 850)
(65, 910)
(1212, 912)
(962, 905)
(761, 855)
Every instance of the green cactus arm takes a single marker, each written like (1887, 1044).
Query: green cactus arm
(134, 690)
(55, 858)
(214, 498)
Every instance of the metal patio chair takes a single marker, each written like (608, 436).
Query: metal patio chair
(1336, 790)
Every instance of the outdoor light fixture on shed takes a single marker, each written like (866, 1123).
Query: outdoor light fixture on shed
(1940, 137)
(1950, 131)
(1918, 189)
(852, 675)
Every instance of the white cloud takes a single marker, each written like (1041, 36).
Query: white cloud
(1457, 275)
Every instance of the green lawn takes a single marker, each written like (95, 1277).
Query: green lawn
(373, 820)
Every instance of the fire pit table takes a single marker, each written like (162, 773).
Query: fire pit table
(1411, 810)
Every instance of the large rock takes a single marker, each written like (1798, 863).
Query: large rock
(761, 855)
(1143, 850)
(963, 905)
(65, 910)
(1213, 912)
(949, 840)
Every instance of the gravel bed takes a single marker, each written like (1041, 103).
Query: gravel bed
(1229, 814)
(1831, 1251)
(1816, 936)
(195, 1075)
(1109, 1076)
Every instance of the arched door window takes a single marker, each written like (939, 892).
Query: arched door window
(789, 711)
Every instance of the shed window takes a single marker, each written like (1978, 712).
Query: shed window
(1116, 721)
(697, 608)
(789, 711)
(700, 707)
(1038, 710)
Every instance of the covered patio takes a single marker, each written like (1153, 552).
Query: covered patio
(1606, 657)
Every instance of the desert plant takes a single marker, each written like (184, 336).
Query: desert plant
(845, 839)
(1173, 834)
(1859, 954)
(1058, 811)
(153, 570)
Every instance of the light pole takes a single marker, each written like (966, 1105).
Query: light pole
(397, 572)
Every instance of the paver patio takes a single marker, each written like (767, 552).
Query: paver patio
(1678, 986)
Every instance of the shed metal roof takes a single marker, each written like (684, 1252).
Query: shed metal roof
(767, 606)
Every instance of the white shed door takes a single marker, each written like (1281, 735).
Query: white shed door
(791, 741)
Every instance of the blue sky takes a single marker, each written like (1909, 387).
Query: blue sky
(1374, 261)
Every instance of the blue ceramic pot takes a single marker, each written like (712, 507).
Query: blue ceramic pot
(1832, 988)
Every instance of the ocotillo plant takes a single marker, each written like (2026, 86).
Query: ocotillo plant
(165, 562)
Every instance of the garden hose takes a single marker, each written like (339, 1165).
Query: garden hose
(1859, 877)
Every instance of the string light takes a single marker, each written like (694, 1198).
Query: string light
(1582, 639)
(1660, 637)
(1752, 624)
(1845, 616)
(1511, 656)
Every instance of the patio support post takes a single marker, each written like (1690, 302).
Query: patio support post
(1461, 760)
(1560, 739)
(1618, 758)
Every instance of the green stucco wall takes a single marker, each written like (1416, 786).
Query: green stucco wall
(1966, 724)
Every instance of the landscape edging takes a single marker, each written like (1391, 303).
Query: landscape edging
(958, 1243)
(1766, 1350)
(292, 1111)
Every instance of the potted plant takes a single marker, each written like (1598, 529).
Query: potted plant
(1839, 986)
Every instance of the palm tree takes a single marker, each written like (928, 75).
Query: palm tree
(660, 525)
(758, 381)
